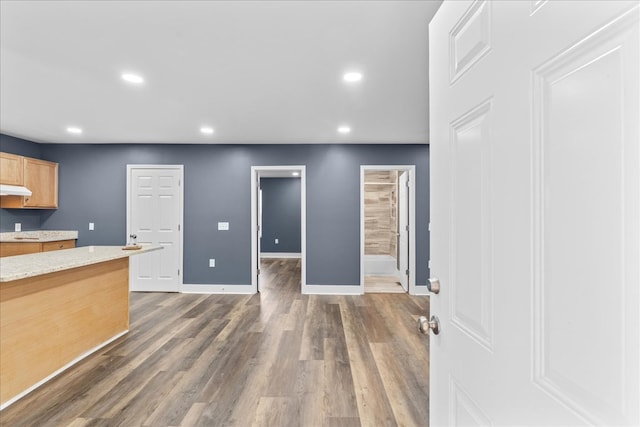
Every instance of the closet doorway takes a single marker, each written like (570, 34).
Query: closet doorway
(387, 224)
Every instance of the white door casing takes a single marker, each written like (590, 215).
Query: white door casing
(403, 232)
(154, 214)
(535, 213)
(410, 172)
(259, 236)
(256, 218)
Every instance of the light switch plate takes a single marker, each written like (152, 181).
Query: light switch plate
(224, 226)
(212, 262)
(18, 226)
(92, 226)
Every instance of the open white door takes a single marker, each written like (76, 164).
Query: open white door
(154, 214)
(535, 213)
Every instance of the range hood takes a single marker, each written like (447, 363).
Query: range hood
(14, 190)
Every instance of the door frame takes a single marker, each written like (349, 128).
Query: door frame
(180, 168)
(255, 244)
(411, 169)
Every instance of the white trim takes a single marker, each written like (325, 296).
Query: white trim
(420, 291)
(332, 290)
(59, 371)
(412, 220)
(218, 289)
(280, 255)
(255, 247)
(130, 167)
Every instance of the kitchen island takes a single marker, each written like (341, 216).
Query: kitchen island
(57, 308)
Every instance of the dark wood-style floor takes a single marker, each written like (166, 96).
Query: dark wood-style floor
(277, 358)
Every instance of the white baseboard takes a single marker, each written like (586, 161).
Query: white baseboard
(59, 371)
(218, 289)
(280, 255)
(333, 290)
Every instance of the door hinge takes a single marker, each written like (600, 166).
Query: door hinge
(178, 227)
(408, 184)
(406, 272)
(258, 272)
(406, 227)
(259, 228)
(178, 272)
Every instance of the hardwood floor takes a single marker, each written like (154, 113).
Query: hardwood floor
(277, 358)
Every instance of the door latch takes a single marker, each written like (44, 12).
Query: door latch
(425, 325)
(433, 285)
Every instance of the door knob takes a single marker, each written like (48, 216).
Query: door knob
(433, 285)
(424, 325)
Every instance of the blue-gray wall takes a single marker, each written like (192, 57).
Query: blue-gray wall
(280, 214)
(92, 188)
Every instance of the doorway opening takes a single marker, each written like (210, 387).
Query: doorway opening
(387, 229)
(278, 225)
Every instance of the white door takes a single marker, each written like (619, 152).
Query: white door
(535, 212)
(403, 225)
(155, 216)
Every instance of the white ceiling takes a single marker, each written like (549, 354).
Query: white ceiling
(255, 71)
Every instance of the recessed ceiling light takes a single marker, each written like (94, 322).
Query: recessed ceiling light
(132, 78)
(207, 130)
(353, 76)
(74, 129)
(344, 130)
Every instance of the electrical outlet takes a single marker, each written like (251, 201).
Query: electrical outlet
(223, 226)
(18, 226)
(212, 262)
(92, 226)
(277, 241)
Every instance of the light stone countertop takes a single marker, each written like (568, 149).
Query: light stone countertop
(38, 236)
(24, 266)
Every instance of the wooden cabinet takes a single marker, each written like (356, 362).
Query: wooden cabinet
(11, 249)
(23, 248)
(58, 245)
(11, 169)
(39, 176)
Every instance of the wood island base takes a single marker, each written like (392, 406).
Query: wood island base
(50, 321)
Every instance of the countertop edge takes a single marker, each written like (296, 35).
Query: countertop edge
(38, 264)
(37, 236)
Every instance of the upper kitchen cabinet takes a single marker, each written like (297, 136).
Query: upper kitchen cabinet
(11, 169)
(39, 176)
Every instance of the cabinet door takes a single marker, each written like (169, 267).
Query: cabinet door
(12, 249)
(41, 177)
(11, 169)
